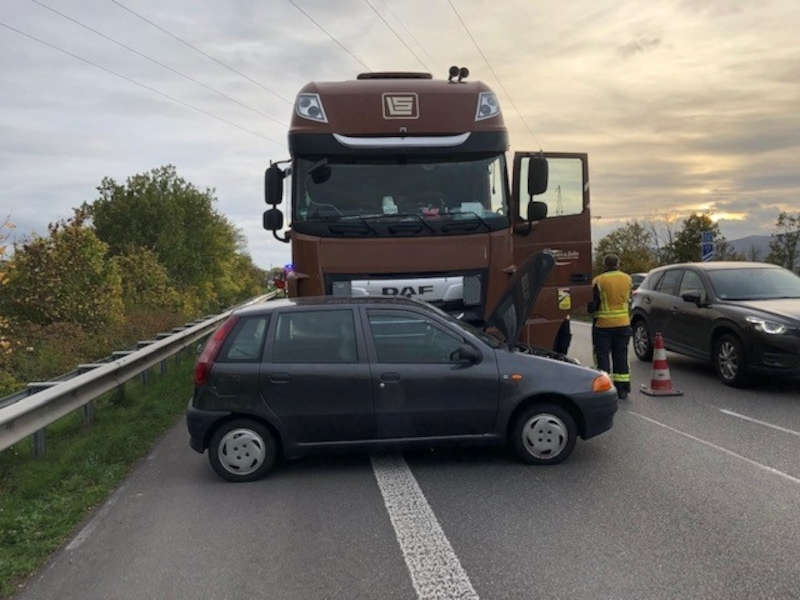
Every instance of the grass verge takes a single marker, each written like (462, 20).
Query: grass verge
(43, 500)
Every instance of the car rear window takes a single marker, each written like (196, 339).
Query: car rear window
(315, 336)
(245, 342)
(669, 283)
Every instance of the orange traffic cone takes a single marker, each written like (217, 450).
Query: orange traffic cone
(660, 380)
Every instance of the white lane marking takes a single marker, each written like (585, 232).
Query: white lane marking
(436, 572)
(750, 461)
(759, 422)
(95, 521)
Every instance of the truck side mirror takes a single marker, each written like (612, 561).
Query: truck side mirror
(273, 185)
(537, 175)
(537, 210)
(272, 220)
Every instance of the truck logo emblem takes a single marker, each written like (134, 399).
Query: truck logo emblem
(406, 291)
(401, 106)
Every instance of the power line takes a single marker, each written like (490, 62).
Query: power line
(135, 82)
(159, 63)
(328, 33)
(494, 73)
(408, 31)
(198, 50)
(401, 40)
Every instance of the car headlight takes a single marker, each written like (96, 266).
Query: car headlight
(488, 106)
(309, 106)
(765, 326)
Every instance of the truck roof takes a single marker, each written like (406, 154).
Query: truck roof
(391, 104)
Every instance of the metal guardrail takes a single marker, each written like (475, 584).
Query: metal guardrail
(29, 411)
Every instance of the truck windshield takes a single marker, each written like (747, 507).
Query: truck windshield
(400, 196)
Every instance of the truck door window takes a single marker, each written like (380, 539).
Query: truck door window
(564, 195)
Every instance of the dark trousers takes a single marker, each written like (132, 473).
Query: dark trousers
(611, 352)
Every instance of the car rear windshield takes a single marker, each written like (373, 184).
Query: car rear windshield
(755, 284)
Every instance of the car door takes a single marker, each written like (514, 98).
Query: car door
(661, 306)
(316, 375)
(690, 325)
(419, 390)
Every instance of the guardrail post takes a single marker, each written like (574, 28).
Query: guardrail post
(164, 366)
(88, 412)
(38, 443)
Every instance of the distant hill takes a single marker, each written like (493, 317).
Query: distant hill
(759, 242)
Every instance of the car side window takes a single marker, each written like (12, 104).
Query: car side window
(315, 336)
(245, 342)
(406, 337)
(691, 282)
(669, 283)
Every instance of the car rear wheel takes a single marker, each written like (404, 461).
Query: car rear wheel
(544, 434)
(642, 345)
(729, 360)
(242, 450)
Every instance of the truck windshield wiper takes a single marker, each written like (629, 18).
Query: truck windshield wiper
(476, 220)
(383, 217)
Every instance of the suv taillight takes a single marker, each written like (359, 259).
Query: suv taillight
(211, 350)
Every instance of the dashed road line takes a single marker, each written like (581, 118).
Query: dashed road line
(436, 572)
(750, 461)
(759, 422)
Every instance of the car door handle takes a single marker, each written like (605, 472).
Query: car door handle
(390, 377)
(279, 378)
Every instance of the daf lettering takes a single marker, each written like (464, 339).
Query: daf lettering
(407, 291)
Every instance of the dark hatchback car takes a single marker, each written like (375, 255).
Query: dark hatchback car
(293, 376)
(743, 317)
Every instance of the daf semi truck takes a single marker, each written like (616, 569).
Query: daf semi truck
(398, 184)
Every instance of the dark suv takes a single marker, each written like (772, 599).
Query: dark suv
(291, 376)
(744, 317)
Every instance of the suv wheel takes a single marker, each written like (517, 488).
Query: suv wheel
(642, 345)
(544, 434)
(729, 360)
(242, 450)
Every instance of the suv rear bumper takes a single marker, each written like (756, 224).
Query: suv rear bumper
(200, 423)
(598, 411)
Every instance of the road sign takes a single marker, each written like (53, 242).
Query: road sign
(706, 245)
(707, 237)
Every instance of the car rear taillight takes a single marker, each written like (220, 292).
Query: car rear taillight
(211, 350)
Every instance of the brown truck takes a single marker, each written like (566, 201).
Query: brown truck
(399, 186)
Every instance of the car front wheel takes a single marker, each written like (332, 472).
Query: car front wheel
(642, 345)
(242, 450)
(544, 434)
(729, 360)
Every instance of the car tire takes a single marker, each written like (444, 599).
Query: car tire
(242, 450)
(544, 434)
(642, 344)
(729, 360)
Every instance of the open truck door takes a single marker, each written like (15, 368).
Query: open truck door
(554, 220)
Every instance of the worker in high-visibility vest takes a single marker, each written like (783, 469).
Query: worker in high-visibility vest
(612, 323)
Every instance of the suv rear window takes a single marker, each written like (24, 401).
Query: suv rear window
(245, 342)
(315, 336)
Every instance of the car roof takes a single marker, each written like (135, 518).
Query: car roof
(388, 302)
(718, 265)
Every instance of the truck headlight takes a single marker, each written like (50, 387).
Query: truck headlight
(766, 326)
(309, 106)
(488, 106)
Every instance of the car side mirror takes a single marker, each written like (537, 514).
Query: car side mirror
(273, 185)
(537, 210)
(694, 296)
(465, 354)
(537, 175)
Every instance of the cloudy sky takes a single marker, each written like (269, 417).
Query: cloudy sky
(682, 105)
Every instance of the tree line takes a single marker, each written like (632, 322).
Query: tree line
(642, 246)
(145, 255)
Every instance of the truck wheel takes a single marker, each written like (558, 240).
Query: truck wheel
(544, 434)
(642, 345)
(729, 360)
(242, 450)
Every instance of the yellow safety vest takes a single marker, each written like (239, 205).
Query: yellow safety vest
(615, 293)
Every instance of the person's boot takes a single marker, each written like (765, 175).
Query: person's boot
(622, 394)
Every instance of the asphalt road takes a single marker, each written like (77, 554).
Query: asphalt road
(689, 497)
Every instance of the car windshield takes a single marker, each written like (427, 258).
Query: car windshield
(755, 284)
(426, 196)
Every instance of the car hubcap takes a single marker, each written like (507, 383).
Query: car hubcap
(640, 340)
(545, 436)
(241, 451)
(728, 360)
